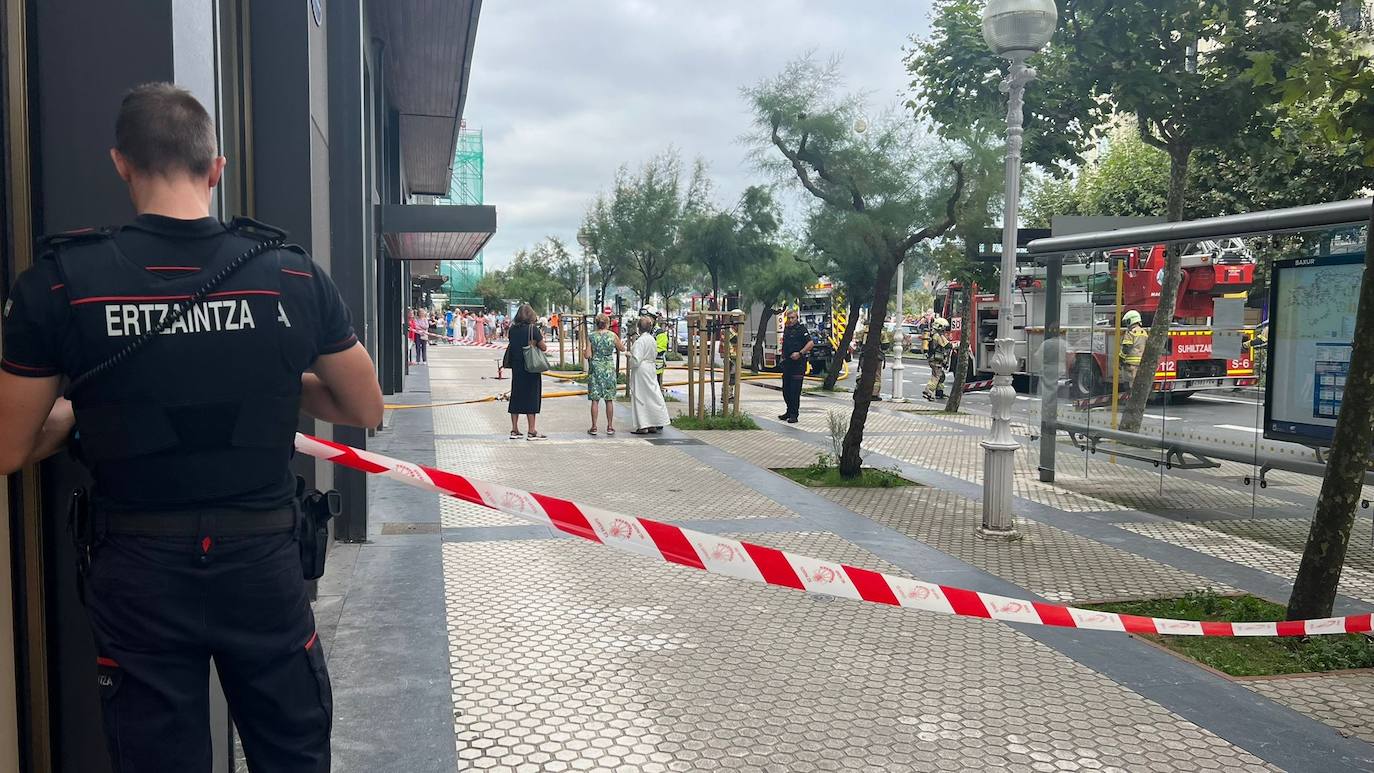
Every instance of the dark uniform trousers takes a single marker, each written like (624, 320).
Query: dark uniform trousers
(163, 607)
(793, 376)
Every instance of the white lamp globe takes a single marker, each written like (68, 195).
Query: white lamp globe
(1019, 26)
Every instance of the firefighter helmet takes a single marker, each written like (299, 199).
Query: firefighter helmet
(941, 323)
(1131, 317)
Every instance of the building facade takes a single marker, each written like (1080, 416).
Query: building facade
(337, 116)
(466, 187)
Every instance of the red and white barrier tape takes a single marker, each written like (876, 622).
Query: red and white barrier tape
(746, 561)
(976, 386)
(465, 342)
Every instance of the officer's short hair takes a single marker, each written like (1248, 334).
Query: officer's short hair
(163, 130)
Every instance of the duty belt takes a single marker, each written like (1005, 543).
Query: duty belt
(198, 523)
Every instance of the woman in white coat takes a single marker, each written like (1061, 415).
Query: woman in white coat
(647, 409)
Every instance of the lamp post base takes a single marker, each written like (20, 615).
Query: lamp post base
(999, 450)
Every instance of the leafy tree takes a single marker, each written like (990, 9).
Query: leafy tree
(841, 254)
(596, 238)
(1172, 64)
(492, 289)
(645, 211)
(773, 280)
(1281, 160)
(681, 277)
(956, 82)
(1337, 77)
(565, 270)
(724, 242)
(530, 279)
(896, 191)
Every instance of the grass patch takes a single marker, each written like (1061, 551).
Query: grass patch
(718, 421)
(1250, 656)
(824, 474)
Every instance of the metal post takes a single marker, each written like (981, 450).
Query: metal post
(586, 285)
(897, 366)
(1115, 348)
(1052, 360)
(999, 449)
(691, 371)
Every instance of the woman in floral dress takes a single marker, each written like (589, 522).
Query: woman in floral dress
(600, 351)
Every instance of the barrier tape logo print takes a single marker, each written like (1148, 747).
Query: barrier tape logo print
(757, 563)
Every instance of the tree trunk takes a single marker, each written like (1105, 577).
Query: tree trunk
(869, 361)
(1314, 590)
(1143, 384)
(756, 358)
(832, 373)
(956, 392)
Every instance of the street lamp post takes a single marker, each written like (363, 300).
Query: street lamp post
(1013, 29)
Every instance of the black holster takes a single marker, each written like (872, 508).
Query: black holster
(315, 509)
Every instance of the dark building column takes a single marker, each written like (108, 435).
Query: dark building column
(85, 54)
(349, 211)
(290, 146)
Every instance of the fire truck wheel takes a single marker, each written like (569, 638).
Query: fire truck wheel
(1087, 379)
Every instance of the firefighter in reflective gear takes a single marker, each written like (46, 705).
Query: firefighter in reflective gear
(189, 548)
(938, 347)
(1259, 350)
(1132, 346)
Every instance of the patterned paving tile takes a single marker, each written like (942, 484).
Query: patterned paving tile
(628, 476)
(567, 656)
(1344, 701)
(1209, 538)
(1052, 563)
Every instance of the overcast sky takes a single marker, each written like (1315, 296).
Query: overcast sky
(568, 90)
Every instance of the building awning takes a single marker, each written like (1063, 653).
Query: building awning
(435, 232)
(428, 59)
(428, 282)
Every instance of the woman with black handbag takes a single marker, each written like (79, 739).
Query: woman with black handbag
(526, 358)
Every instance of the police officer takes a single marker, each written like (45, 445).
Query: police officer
(796, 345)
(938, 348)
(1132, 346)
(187, 440)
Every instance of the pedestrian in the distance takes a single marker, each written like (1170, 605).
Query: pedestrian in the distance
(648, 412)
(192, 551)
(448, 324)
(526, 388)
(422, 336)
(796, 345)
(600, 351)
(479, 328)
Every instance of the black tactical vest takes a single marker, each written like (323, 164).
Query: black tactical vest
(204, 413)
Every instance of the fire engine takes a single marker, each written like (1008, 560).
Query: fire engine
(821, 309)
(1088, 309)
